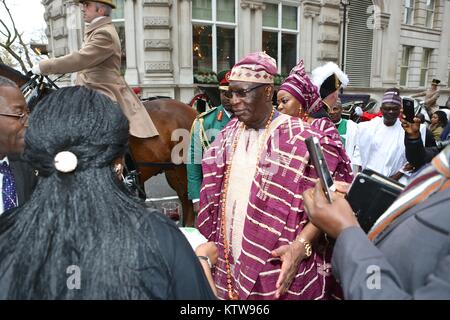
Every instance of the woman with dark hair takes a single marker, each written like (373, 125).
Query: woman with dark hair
(438, 123)
(298, 97)
(81, 236)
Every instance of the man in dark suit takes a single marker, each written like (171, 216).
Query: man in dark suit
(406, 254)
(17, 178)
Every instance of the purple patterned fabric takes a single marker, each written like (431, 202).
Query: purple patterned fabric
(275, 213)
(256, 67)
(300, 86)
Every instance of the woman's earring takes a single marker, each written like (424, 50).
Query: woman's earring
(303, 115)
(118, 169)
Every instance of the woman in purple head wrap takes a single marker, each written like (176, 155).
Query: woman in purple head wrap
(299, 97)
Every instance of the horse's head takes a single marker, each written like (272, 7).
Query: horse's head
(33, 87)
(12, 74)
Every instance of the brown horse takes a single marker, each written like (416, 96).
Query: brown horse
(152, 155)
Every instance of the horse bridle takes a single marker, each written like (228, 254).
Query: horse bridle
(33, 88)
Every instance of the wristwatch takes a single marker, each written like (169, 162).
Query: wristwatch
(206, 259)
(307, 245)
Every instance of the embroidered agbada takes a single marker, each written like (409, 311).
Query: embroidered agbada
(275, 213)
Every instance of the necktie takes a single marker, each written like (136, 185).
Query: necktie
(9, 194)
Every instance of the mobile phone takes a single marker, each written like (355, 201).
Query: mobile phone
(370, 195)
(319, 163)
(408, 109)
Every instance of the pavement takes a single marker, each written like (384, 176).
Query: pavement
(160, 194)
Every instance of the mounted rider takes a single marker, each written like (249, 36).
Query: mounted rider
(98, 65)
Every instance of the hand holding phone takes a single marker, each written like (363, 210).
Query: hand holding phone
(408, 109)
(319, 163)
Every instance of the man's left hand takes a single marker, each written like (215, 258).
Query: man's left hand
(330, 218)
(291, 256)
(412, 130)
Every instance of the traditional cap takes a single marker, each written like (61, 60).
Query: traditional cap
(329, 78)
(435, 81)
(392, 96)
(255, 67)
(107, 2)
(223, 77)
(300, 86)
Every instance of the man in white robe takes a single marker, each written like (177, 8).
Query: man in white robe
(381, 140)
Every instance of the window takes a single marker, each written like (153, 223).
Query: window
(430, 14)
(213, 35)
(118, 20)
(448, 82)
(280, 34)
(405, 65)
(424, 66)
(409, 12)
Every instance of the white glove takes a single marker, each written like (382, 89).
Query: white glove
(358, 111)
(36, 69)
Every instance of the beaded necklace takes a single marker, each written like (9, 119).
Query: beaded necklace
(232, 295)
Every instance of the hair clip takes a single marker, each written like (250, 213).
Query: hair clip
(65, 161)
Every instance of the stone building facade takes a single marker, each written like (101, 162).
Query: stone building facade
(168, 43)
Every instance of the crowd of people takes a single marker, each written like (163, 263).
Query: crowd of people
(70, 230)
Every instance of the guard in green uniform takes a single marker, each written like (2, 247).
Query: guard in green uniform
(204, 129)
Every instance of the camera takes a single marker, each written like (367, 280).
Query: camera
(442, 144)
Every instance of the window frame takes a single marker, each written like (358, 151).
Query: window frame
(429, 52)
(402, 66)
(405, 13)
(214, 23)
(280, 30)
(433, 12)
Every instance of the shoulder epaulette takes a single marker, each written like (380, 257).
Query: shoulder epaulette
(202, 134)
(201, 115)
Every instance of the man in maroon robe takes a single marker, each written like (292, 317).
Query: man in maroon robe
(250, 202)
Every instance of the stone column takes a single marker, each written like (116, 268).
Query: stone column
(158, 47)
(391, 44)
(182, 38)
(420, 13)
(381, 23)
(74, 23)
(131, 73)
(310, 11)
(63, 31)
(444, 46)
(328, 31)
(139, 40)
(250, 27)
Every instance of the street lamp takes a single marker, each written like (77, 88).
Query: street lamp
(344, 3)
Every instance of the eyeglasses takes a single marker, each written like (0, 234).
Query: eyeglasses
(22, 117)
(242, 93)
